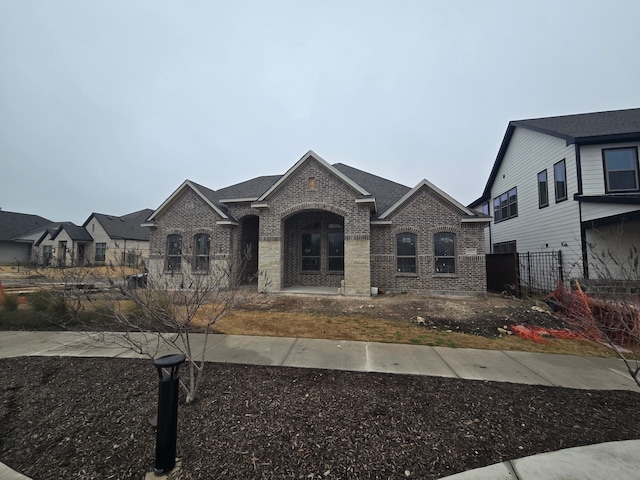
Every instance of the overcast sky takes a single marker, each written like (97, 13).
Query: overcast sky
(108, 106)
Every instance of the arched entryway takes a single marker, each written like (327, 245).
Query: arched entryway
(249, 248)
(313, 251)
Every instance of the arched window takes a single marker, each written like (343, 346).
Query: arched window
(445, 252)
(406, 252)
(174, 252)
(202, 247)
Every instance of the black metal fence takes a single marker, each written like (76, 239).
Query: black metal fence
(524, 274)
(539, 272)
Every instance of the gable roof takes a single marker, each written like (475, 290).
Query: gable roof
(385, 195)
(75, 232)
(305, 158)
(580, 129)
(127, 227)
(50, 231)
(470, 215)
(209, 196)
(14, 225)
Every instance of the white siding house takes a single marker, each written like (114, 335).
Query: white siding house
(592, 200)
(118, 240)
(102, 239)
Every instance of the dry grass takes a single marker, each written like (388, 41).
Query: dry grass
(52, 274)
(356, 327)
(282, 324)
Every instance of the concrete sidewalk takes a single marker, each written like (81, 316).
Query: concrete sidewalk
(495, 365)
(501, 366)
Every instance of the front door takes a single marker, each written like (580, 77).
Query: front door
(62, 254)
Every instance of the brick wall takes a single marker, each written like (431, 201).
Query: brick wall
(330, 198)
(425, 215)
(370, 252)
(188, 216)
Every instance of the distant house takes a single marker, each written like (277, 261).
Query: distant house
(18, 232)
(119, 240)
(64, 245)
(569, 184)
(322, 225)
(102, 239)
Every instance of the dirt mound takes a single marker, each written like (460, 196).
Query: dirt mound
(487, 316)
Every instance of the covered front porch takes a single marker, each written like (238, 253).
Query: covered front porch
(315, 255)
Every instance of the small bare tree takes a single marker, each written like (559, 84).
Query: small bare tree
(71, 288)
(161, 311)
(606, 308)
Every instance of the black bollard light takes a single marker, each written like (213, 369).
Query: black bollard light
(167, 411)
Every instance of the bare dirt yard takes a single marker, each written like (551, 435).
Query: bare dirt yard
(472, 315)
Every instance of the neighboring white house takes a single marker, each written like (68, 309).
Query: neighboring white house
(62, 246)
(569, 184)
(119, 240)
(102, 239)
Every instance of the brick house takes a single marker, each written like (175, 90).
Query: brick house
(322, 225)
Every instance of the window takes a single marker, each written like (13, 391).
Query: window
(620, 169)
(505, 206)
(485, 208)
(543, 190)
(202, 247)
(335, 247)
(560, 179)
(445, 252)
(310, 251)
(101, 252)
(174, 253)
(505, 247)
(406, 252)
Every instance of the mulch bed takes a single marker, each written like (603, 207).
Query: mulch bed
(78, 418)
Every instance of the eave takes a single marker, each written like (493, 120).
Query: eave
(620, 199)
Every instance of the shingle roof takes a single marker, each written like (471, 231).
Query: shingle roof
(587, 126)
(124, 227)
(386, 192)
(248, 189)
(13, 225)
(75, 232)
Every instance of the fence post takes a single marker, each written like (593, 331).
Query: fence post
(529, 271)
(560, 270)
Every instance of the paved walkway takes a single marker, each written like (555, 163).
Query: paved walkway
(619, 460)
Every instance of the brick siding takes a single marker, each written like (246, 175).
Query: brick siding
(370, 251)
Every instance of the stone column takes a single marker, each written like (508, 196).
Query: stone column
(270, 265)
(357, 266)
